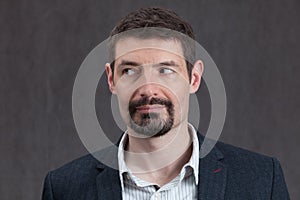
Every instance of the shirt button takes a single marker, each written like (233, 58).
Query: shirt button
(157, 195)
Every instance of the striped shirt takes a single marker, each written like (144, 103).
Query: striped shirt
(183, 186)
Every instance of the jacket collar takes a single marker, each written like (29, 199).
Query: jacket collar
(108, 181)
(212, 174)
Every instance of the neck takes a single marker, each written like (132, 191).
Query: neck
(161, 157)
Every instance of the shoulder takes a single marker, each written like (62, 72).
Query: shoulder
(82, 164)
(82, 169)
(85, 167)
(244, 162)
(244, 166)
(241, 157)
(233, 155)
(72, 179)
(89, 163)
(234, 152)
(250, 171)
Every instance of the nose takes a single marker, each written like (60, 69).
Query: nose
(148, 82)
(148, 90)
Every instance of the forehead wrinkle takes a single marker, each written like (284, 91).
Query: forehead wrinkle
(125, 63)
(150, 56)
(128, 45)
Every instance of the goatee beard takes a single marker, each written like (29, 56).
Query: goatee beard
(151, 124)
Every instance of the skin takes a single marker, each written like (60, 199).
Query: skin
(154, 68)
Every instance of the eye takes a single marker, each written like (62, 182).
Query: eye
(128, 71)
(166, 71)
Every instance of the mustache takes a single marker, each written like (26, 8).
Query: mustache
(147, 101)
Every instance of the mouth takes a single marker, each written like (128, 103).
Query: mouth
(150, 108)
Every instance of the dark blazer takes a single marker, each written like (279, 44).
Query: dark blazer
(227, 172)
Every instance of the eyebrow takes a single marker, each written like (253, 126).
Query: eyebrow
(128, 63)
(167, 63)
(135, 64)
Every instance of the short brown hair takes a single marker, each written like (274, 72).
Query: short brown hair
(158, 18)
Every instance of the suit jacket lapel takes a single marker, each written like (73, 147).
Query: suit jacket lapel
(212, 176)
(109, 185)
(108, 181)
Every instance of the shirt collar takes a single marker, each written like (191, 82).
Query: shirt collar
(192, 163)
(194, 160)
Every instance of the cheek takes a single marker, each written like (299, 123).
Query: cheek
(180, 91)
(124, 92)
(180, 99)
(123, 101)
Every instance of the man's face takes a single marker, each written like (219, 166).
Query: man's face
(152, 85)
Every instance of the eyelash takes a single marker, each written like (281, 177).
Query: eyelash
(125, 70)
(171, 70)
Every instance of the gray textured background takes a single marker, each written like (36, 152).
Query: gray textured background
(254, 43)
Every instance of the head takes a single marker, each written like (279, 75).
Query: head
(153, 71)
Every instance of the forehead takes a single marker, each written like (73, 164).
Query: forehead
(148, 48)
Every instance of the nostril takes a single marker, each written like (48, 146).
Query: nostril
(147, 90)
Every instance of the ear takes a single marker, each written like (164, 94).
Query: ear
(110, 78)
(196, 75)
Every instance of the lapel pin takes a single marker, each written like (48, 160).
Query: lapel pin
(217, 170)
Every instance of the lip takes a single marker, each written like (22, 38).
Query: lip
(150, 108)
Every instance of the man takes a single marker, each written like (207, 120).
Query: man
(158, 155)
